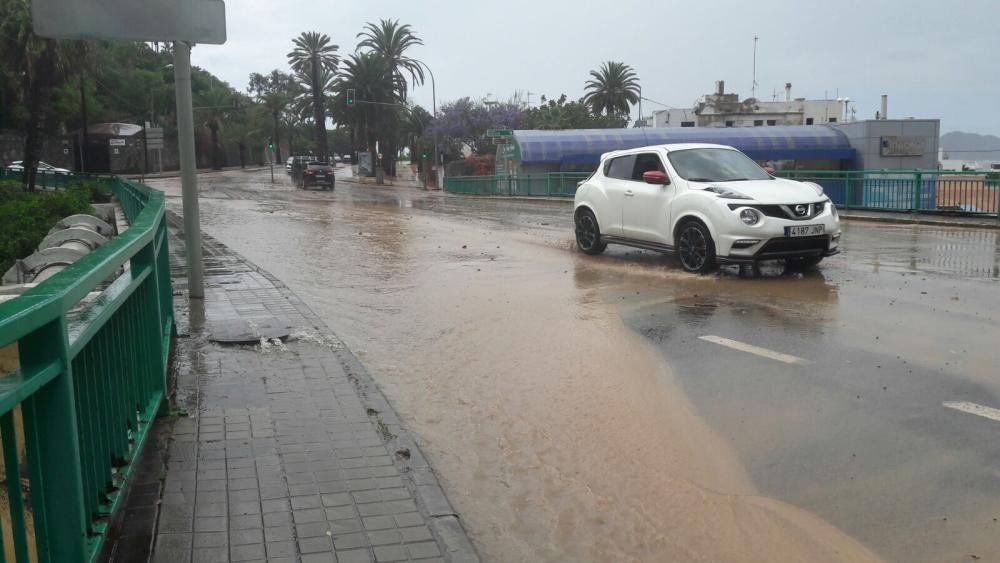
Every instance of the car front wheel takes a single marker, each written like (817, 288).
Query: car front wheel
(588, 234)
(695, 248)
(803, 263)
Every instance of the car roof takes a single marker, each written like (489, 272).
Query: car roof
(666, 147)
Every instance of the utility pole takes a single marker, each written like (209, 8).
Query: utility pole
(753, 87)
(189, 180)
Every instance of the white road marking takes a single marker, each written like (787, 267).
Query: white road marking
(972, 408)
(751, 349)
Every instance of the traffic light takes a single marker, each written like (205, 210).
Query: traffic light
(423, 156)
(270, 144)
(350, 96)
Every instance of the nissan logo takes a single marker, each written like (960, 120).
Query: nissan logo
(800, 209)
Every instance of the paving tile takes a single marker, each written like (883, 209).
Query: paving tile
(317, 544)
(210, 539)
(389, 553)
(423, 550)
(354, 556)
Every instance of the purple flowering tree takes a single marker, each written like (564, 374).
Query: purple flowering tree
(466, 121)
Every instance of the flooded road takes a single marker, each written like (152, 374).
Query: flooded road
(575, 411)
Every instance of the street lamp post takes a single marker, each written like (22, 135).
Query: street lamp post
(434, 108)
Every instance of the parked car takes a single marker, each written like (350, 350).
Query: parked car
(17, 167)
(708, 204)
(316, 173)
(288, 164)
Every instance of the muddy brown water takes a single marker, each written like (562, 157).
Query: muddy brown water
(558, 434)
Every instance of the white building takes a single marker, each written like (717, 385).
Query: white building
(726, 110)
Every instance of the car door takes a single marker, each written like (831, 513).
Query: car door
(646, 212)
(617, 179)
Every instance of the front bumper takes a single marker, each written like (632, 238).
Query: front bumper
(738, 243)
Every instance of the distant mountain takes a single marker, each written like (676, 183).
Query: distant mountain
(959, 145)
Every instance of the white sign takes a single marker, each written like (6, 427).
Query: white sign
(154, 133)
(903, 146)
(193, 21)
(116, 143)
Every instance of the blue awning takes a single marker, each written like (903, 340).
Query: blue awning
(585, 146)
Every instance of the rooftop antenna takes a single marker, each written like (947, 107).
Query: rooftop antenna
(753, 87)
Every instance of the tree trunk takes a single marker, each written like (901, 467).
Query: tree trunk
(277, 138)
(85, 148)
(39, 93)
(319, 115)
(243, 150)
(216, 161)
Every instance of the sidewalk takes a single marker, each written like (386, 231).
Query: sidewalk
(289, 452)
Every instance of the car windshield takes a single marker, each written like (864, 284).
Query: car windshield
(715, 165)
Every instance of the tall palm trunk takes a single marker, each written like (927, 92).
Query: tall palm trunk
(85, 143)
(319, 116)
(39, 93)
(277, 138)
(216, 160)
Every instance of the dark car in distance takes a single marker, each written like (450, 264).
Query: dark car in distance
(315, 173)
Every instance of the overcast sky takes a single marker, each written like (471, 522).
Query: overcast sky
(933, 58)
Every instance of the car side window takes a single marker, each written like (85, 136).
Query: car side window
(646, 162)
(621, 167)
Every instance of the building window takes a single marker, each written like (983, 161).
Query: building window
(809, 121)
(729, 124)
(833, 120)
(758, 122)
(772, 122)
(687, 123)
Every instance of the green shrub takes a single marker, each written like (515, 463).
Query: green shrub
(25, 218)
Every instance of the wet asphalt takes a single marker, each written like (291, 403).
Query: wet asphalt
(851, 423)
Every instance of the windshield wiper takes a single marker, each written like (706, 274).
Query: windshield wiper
(700, 180)
(734, 179)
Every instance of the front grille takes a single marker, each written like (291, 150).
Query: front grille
(786, 211)
(799, 246)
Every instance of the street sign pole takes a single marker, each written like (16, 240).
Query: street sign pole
(189, 180)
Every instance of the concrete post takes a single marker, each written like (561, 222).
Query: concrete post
(189, 180)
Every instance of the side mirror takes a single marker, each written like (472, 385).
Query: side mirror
(655, 177)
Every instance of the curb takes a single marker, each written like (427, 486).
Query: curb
(921, 221)
(419, 477)
(177, 174)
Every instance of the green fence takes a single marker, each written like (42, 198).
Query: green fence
(917, 191)
(555, 184)
(92, 343)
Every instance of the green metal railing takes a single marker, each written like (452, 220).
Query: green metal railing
(554, 184)
(916, 191)
(91, 379)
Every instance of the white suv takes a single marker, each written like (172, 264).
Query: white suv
(709, 204)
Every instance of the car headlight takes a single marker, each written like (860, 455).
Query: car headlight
(750, 216)
(726, 193)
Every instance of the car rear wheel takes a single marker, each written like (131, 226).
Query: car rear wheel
(695, 248)
(588, 234)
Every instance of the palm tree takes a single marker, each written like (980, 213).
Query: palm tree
(36, 63)
(313, 56)
(390, 41)
(216, 104)
(613, 89)
(275, 91)
(372, 79)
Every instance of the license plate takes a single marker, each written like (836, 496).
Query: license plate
(805, 230)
